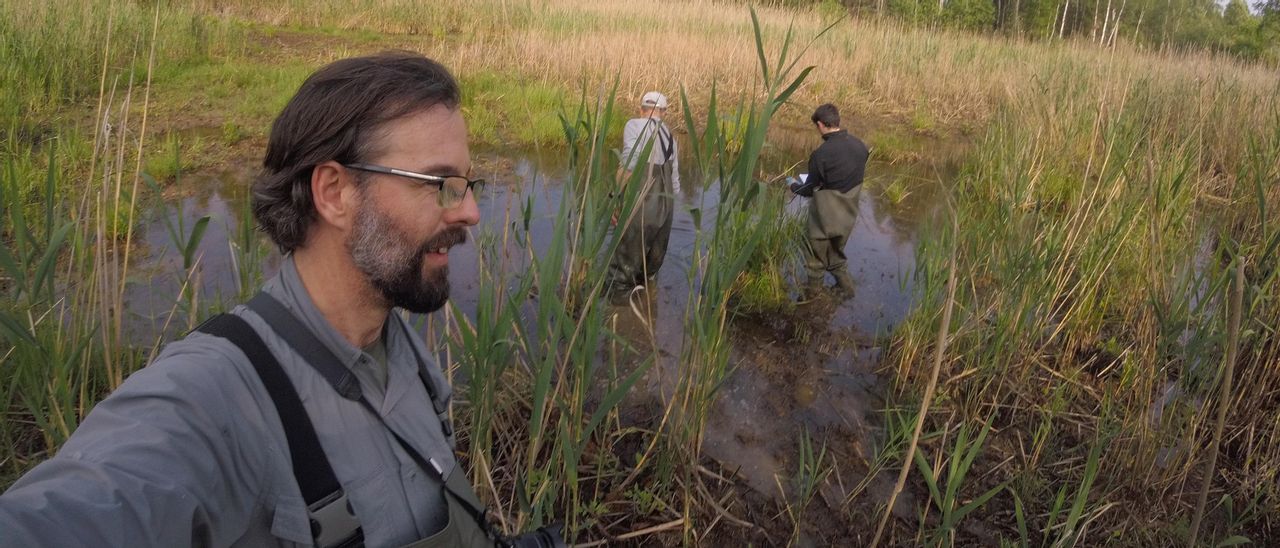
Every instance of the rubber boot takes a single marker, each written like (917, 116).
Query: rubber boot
(844, 282)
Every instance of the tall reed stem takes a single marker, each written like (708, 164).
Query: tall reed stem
(1224, 397)
(940, 351)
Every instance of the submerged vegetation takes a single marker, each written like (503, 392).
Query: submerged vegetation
(1107, 201)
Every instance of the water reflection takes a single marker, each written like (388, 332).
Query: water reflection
(157, 281)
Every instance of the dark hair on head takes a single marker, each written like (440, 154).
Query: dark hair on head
(334, 116)
(828, 114)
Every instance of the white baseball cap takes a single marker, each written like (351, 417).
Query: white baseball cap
(653, 99)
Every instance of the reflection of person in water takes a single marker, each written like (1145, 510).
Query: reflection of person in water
(836, 170)
(643, 244)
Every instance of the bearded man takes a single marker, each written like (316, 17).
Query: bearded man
(313, 415)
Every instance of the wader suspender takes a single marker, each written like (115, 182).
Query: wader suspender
(665, 140)
(333, 522)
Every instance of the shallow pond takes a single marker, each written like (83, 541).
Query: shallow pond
(811, 369)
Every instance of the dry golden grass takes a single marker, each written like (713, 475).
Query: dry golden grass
(931, 80)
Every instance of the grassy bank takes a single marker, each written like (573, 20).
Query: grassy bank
(1099, 224)
(231, 65)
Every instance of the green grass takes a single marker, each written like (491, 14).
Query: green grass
(500, 109)
(896, 191)
(764, 286)
(53, 53)
(176, 155)
(896, 145)
(1080, 222)
(243, 91)
(463, 20)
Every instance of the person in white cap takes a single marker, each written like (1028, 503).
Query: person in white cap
(648, 145)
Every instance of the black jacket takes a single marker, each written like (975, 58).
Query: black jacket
(839, 164)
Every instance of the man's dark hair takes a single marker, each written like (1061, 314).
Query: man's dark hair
(334, 116)
(828, 114)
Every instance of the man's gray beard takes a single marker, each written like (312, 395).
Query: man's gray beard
(393, 266)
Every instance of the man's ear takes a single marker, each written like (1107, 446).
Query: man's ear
(333, 190)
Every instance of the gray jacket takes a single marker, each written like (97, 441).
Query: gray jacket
(190, 450)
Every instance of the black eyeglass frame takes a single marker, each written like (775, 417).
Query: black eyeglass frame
(437, 181)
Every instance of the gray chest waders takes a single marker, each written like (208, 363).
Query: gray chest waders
(333, 522)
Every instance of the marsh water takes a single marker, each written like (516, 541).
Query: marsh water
(809, 369)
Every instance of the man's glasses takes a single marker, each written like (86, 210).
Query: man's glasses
(451, 189)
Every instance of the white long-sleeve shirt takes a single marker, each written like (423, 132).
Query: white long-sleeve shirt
(636, 136)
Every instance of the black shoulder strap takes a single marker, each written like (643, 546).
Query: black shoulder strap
(333, 524)
(667, 140)
(439, 404)
(310, 467)
(287, 325)
(315, 353)
(306, 344)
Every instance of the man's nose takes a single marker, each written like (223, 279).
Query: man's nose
(465, 213)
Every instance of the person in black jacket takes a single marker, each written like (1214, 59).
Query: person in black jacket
(836, 170)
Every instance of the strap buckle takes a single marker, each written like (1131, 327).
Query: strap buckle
(333, 522)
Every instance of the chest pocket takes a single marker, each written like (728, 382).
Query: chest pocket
(289, 523)
(462, 529)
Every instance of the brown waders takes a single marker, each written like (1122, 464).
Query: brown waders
(643, 242)
(831, 217)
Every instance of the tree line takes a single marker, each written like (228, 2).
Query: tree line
(1234, 28)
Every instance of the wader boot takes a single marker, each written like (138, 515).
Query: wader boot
(844, 282)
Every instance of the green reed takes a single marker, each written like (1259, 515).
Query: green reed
(532, 354)
(764, 286)
(742, 221)
(944, 492)
(812, 471)
(1101, 220)
(535, 358)
(56, 53)
(64, 239)
(30, 323)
